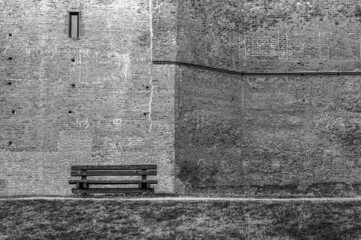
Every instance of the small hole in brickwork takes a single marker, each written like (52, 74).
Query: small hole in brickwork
(72, 85)
(13, 111)
(302, 74)
(10, 143)
(10, 34)
(9, 83)
(145, 114)
(70, 111)
(10, 58)
(147, 87)
(73, 59)
(338, 73)
(304, 100)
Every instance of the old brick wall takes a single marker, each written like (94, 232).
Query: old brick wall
(164, 22)
(262, 134)
(316, 35)
(266, 36)
(96, 100)
(268, 134)
(100, 100)
(210, 33)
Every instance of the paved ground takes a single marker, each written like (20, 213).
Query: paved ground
(187, 199)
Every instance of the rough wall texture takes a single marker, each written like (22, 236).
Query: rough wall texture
(96, 100)
(267, 36)
(210, 33)
(267, 135)
(164, 22)
(318, 35)
(100, 100)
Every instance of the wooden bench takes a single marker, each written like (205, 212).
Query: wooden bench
(82, 186)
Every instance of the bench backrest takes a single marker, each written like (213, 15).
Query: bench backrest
(114, 170)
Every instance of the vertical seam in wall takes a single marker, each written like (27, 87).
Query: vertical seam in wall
(176, 32)
(151, 65)
(178, 89)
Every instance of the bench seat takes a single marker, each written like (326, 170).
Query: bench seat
(111, 190)
(113, 181)
(82, 185)
(75, 173)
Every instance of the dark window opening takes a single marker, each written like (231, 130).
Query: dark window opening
(74, 25)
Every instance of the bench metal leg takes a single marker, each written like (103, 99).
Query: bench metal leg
(85, 185)
(144, 185)
(81, 186)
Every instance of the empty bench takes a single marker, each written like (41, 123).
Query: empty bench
(83, 185)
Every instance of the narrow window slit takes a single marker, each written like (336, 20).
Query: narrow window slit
(74, 25)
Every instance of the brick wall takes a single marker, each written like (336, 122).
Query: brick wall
(210, 33)
(164, 22)
(267, 134)
(261, 134)
(96, 100)
(302, 35)
(100, 100)
(259, 36)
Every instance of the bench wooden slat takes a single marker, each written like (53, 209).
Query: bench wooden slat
(114, 167)
(82, 186)
(113, 173)
(113, 181)
(111, 190)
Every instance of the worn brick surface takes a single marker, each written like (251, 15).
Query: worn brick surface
(165, 20)
(268, 135)
(285, 134)
(96, 100)
(100, 100)
(267, 36)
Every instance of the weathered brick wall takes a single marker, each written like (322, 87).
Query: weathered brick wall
(261, 36)
(100, 100)
(209, 115)
(316, 35)
(97, 100)
(210, 33)
(284, 134)
(268, 134)
(164, 22)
